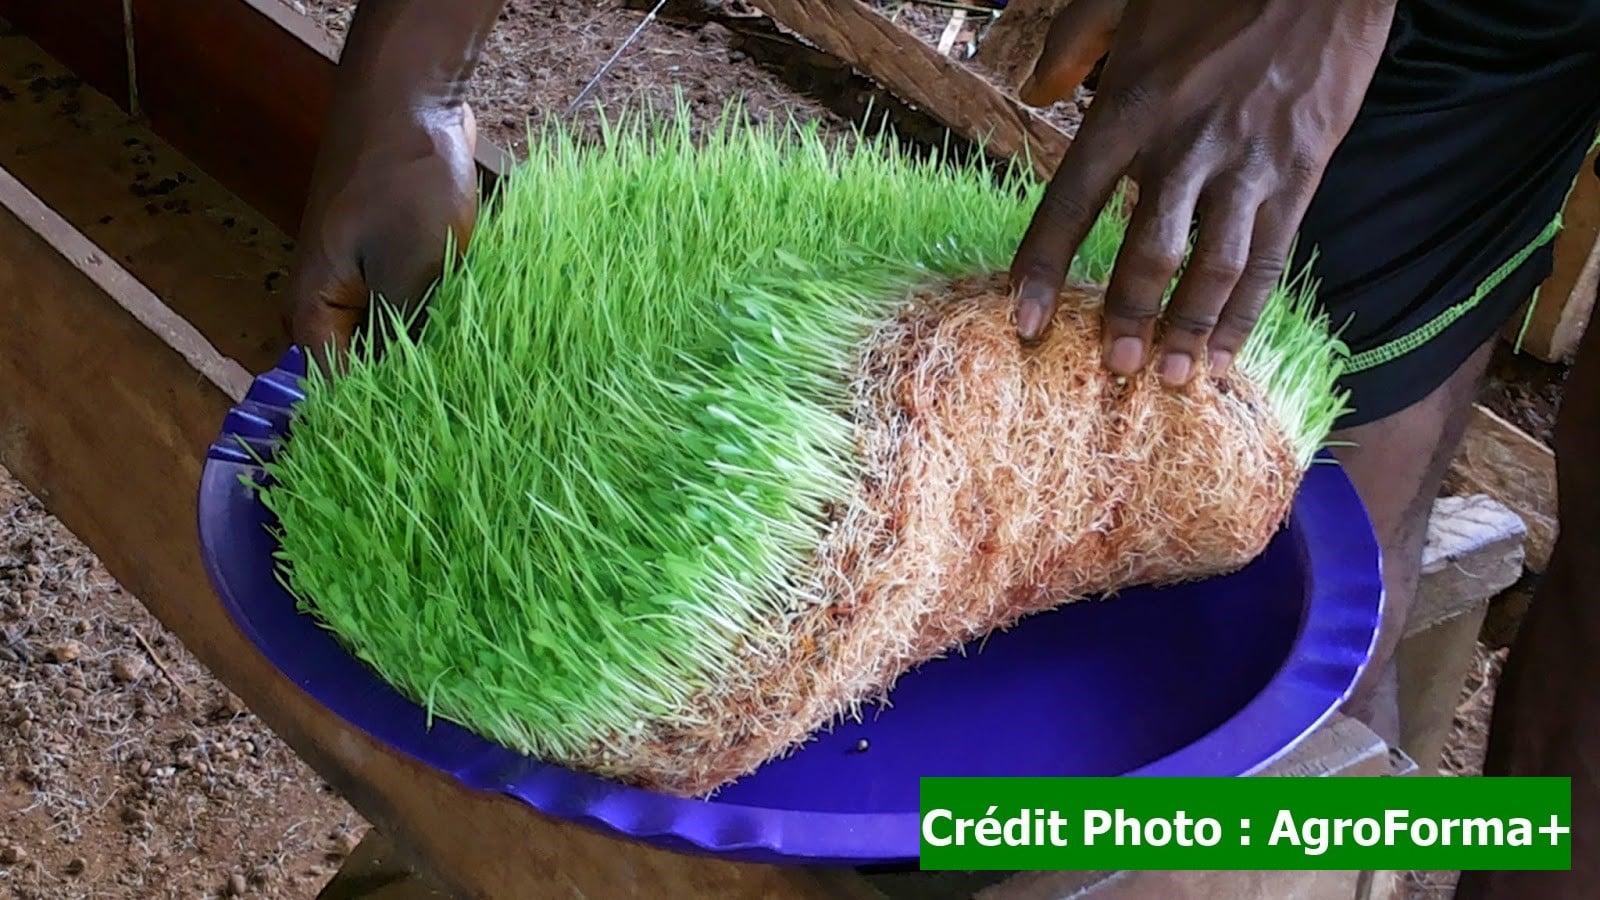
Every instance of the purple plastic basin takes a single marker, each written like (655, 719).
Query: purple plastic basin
(1219, 678)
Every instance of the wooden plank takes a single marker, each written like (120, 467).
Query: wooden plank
(242, 87)
(1566, 300)
(1011, 46)
(906, 66)
(1474, 551)
(1343, 748)
(377, 871)
(246, 113)
(108, 400)
(212, 258)
(804, 69)
(1432, 667)
(1501, 460)
(87, 35)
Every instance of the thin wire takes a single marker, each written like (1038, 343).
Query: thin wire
(650, 17)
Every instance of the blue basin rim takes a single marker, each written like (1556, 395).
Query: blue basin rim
(1337, 635)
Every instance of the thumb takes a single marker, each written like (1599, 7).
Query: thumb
(1078, 37)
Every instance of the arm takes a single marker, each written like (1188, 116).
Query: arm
(396, 174)
(1225, 114)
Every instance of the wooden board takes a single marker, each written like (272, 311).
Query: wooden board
(210, 256)
(908, 67)
(1474, 550)
(1501, 460)
(1566, 299)
(87, 35)
(241, 87)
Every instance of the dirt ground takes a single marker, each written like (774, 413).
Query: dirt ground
(129, 772)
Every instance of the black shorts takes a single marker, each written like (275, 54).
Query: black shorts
(1433, 221)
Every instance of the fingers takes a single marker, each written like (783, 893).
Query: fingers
(1152, 252)
(1275, 225)
(1083, 182)
(406, 256)
(324, 317)
(1202, 325)
(1078, 37)
(330, 308)
(395, 264)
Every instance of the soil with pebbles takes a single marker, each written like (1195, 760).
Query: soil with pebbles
(126, 770)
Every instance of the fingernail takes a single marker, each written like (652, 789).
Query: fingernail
(1175, 368)
(1126, 356)
(1033, 302)
(1220, 360)
(1030, 320)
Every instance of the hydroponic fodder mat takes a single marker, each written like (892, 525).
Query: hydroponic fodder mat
(708, 446)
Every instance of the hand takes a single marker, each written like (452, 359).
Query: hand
(1225, 113)
(389, 193)
(396, 175)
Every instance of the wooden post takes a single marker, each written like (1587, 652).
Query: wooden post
(1474, 551)
(1501, 460)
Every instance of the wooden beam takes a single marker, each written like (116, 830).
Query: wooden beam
(377, 871)
(1474, 550)
(215, 260)
(907, 67)
(87, 35)
(108, 400)
(1499, 459)
(1011, 46)
(1566, 299)
(808, 71)
(241, 87)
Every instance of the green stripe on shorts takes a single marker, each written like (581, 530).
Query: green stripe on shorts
(1400, 346)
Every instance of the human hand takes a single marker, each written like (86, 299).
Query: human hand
(396, 175)
(388, 196)
(1225, 113)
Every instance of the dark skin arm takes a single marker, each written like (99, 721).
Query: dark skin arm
(395, 178)
(1225, 114)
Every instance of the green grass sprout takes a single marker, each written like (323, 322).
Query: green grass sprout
(582, 492)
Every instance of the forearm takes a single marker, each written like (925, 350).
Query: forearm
(411, 54)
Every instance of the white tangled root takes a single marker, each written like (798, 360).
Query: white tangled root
(998, 481)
